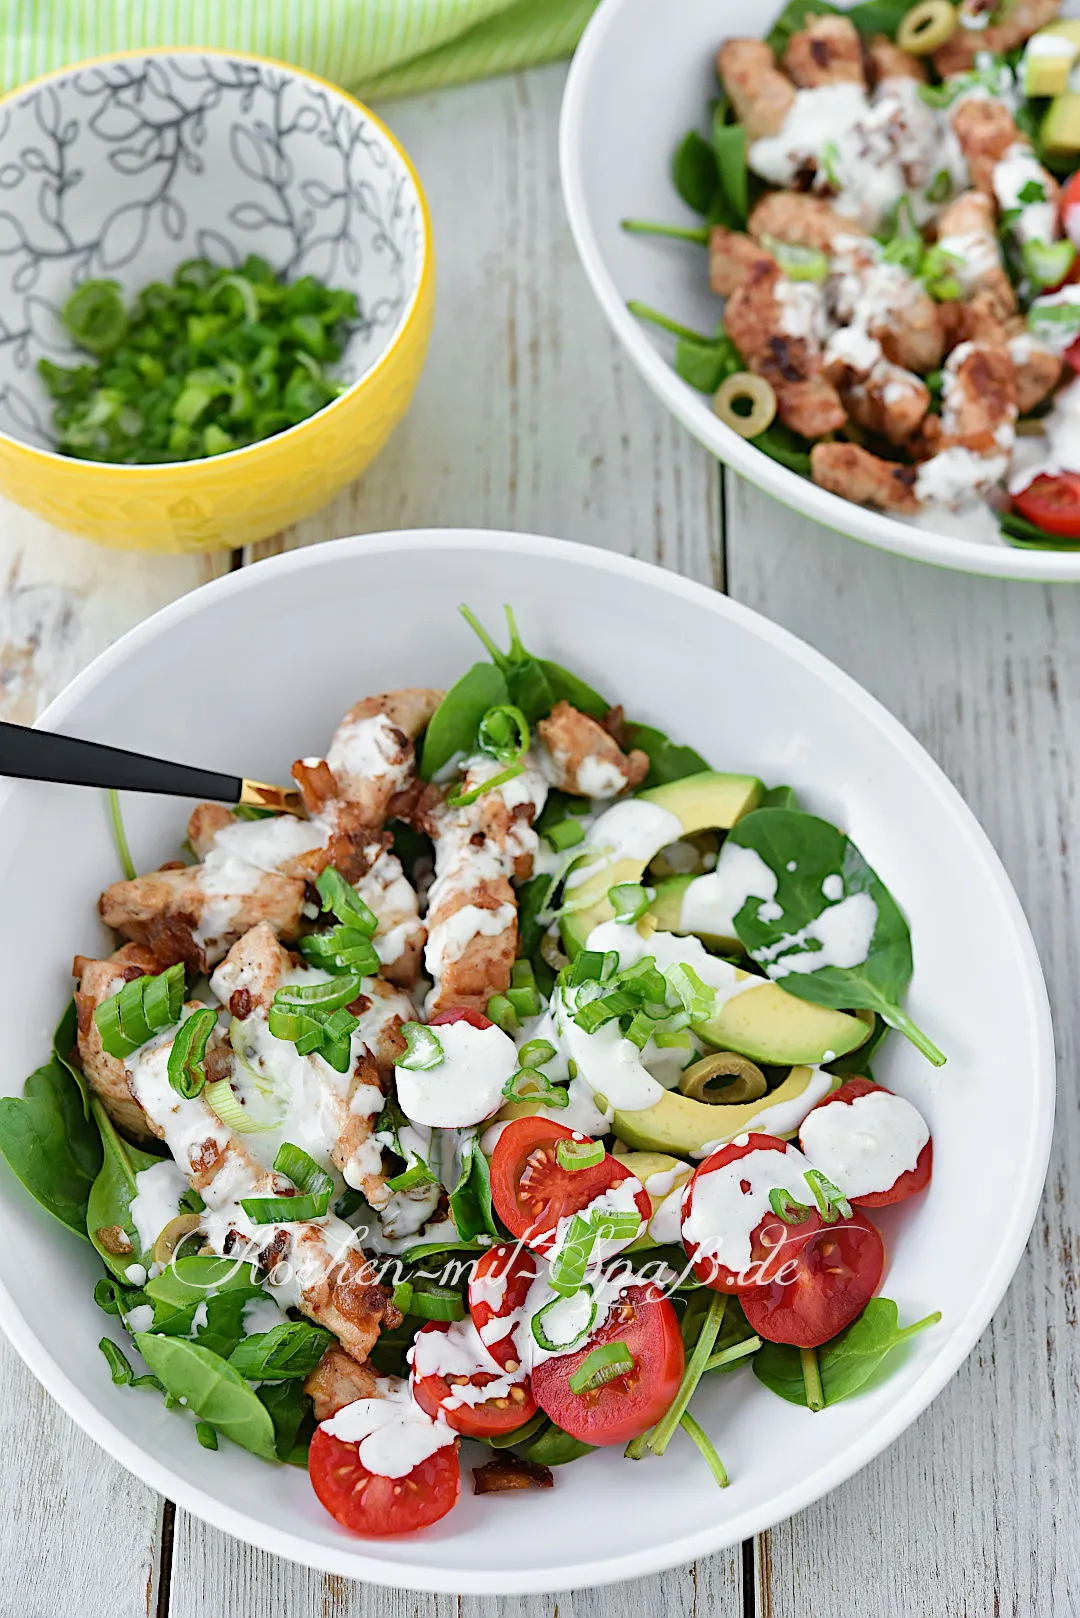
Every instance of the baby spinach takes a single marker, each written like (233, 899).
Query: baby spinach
(456, 720)
(535, 684)
(729, 149)
(807, 855)
(704, 365)
(187, 1284)
(212, 1389)
(293, 1417)
(46, 1134)
(668, 760)
(845, 1363)
(858, 1061)
(870, 17)
(780, 444)
(64, 1051)
(1028, 535)
(779, 798)
(694, 172)
(108, 1206)
(550, 1446)
(470, 1200)
(283, 1353)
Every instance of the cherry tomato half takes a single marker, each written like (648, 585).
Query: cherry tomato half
(708, 1269)
(905, 1185)
(532, 1191)
(827, 1276)
(1069, 208)
(368, 1503)
(436, 1394)
(475, 1019)
(498, 1287)
(643, 1319)
(1052, 501)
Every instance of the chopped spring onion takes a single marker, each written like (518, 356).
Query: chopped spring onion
(116, 820)
(639, 1030)
(187, 1074)
(567, 834)
(523, 993)
(416, 1174)
(592, 966)
(315, 1031)
(1048, 263)
(596, 1013)
(140, 1009)
(341, 949)
(206, 1435)
(1046, 319)
(423, 1048)
(529, 1084)
(504, 733)
(570, 1262)
(629, 901)
(536, 1052)
(436, 1303)
(314, 1185)
(797, 263)
(457, 799)
(787, 1207)
(539, 1329)
(95, 316)
(578, 1154)
(342, 899)
(500, 1011)
(696, 997)
(231, 1110)
(831, 1202)
(938, 274)
(325, 997)
(605, 1364)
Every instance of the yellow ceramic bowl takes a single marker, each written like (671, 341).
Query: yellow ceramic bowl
(124, 167)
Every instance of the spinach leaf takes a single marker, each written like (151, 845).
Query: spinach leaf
(221, 1284)
(535, 684)
(455, 721)
(858, 1061)
(845, 1363)
(212, 1389)
(809, 858)
(780, 444)
(283, 1353)
(779, 798)
(870, 17)
(116, 1299)
(470, 1200)
(568, 687)
(532, 899)
(64, 1051)
(879, 16)
(729, 149)
(293, 1416)
(550, 1446)
(694, 172)
(49, 1142)
(108, 1207)
(1027, 535)
(668, 760)
(704, 365)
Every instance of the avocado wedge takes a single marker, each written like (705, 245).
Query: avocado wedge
(679, 1124)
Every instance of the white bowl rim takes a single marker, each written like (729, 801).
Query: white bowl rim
(798, 493)
(1021, 1215)
(388, 138)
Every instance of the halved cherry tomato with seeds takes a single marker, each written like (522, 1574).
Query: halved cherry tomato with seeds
(828, 1275)
(445, 1394)
(645, 1321)
(498, 1287)
(708, 1269)
(1052, 502)
(905, 1185)
(532, 1191)
(475, 1019)
(368, 1503)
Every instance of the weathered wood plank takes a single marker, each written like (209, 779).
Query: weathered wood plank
(966, 1515)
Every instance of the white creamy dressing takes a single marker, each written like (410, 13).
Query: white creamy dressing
(141, 1318)
(466, 1087)
(667, 1189)
(975, 253)
(599, 777)
(369, 750)
(1056, 335)
(843, 934)
(711, 903)
(240, 856)
(722, 1216)
(631, 830)
(392, 899)
(617, 1199)
(1058, 450)
(1037, 221)
(778, 1117)
(393, 1434)
(956, 477)
(460, 1351)
(157, 1199)
(802, 309)
(261, 1314)
(864, 1146)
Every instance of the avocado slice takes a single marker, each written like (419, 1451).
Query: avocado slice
(645, 1164)
(674, 899)
(769, 1025)
(702, 802)
(1060, 130)
(1048, 58)
(679, 1124)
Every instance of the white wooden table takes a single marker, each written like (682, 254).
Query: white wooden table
(528, 417)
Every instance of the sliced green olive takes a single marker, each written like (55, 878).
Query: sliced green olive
(927, 27)
(746, 1080)
(174, 1233)
(746, 403)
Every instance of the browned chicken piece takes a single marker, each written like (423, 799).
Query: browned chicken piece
(866, 479)
(827, 51)
(967, 229)
(802, 220)
(400, 935)
(731, 256)
(985, 131)
(775, 344)
(318, 1263)
(371, 755)
(978, 320)
(889, 401)
(583, 759)
(1037, 370)
(1022, 20)
(483, 966)
(337, 1381)
(205, 823)
(888, 61)
(979, 399)
(105, 1074)
(761, 95)
(901, 315)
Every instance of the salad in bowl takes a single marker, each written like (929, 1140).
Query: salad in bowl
(519, 1085)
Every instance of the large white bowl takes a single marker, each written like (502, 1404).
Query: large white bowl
(254, 670)
(643, 75)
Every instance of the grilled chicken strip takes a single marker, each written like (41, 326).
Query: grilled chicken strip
(371, 755)
(312, 1265)
(338, 1380)
(392, 899)
(967, 230)
(985, 131)
(773, 323)
(1020, 21)
(888, 61)
(866, 479)
(107, 1075)
(887, 400)
(1037, 370)
(803, 220)
(827, 51)
(761, 95)
(580, 757)
(731, 257)
(871, 299)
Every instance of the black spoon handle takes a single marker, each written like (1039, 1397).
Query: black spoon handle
(40, 755)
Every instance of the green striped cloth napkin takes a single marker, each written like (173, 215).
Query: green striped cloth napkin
(373, 47)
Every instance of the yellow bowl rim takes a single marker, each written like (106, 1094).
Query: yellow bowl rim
(113, 468)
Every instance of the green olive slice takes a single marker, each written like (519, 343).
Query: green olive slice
(927, 27)
(746, 390)
(747, 1079)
